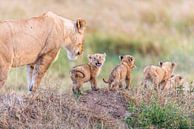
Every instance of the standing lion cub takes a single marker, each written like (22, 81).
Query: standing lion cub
(158, 75)
(87, 72)
(121, 73)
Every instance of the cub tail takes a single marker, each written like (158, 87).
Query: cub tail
(105, 81)
(77, 74)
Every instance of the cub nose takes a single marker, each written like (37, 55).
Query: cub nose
(78, 53)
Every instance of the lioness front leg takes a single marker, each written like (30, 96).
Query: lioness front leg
(40, 68)
(30, 69)
(93, 84)
(4, 69)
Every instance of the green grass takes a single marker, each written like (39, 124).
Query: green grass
(154, 115)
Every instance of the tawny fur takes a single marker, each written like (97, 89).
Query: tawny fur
(87, 72)
(121, 73)
(158, 75)
(35, 42)
(174, 81)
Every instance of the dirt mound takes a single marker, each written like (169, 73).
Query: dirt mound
(49, 109)
(104, 101)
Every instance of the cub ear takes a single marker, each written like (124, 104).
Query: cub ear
(161, 63)
(131, 58)
(173, 64)
(81, 25)
(89, 56)
(171, 76)
(120, 57)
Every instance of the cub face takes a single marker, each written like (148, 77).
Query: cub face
(130, 60)
(177, 79)
(168, 65)
(97, 59)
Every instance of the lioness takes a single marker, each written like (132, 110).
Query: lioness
(87, 72)
(158, 74)
(121, 73)
(35, 42)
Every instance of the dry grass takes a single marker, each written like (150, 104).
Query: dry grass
(49, 109)
(94, 109)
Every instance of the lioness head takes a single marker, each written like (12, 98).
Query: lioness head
(97, 59)
(130, 60)
(168, 65)
(75, 39)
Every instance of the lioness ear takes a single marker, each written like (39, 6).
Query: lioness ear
(161, 63)
(121, 57)
(81, 25)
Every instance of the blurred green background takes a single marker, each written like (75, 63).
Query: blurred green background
(150, 30)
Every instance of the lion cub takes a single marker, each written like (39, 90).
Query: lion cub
(178, 82)
(121, 73)
(174, 81)
(87, 72)
(158, 75)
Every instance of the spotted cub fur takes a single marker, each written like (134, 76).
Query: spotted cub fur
(121, 73)
(87, 72)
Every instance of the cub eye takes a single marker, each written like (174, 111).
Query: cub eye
(130, 59)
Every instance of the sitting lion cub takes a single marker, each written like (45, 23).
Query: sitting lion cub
(121, 73)
(87, 72)
(158, 74)
(178, 83)
(174, 81)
